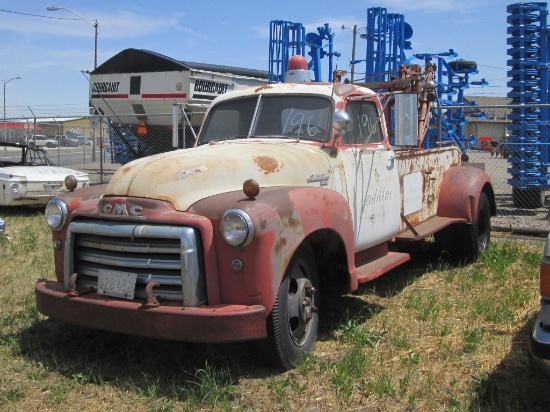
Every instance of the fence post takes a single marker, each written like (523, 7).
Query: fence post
(100, 149)
(93, 124)
(175, 127)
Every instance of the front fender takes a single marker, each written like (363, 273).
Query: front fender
(283, 217)
(460, 191)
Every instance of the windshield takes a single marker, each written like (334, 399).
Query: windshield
(302, 117)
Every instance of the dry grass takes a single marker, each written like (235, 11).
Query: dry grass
(424, 337)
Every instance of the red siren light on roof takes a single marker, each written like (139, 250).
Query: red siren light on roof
(297, 70)
(297, 62)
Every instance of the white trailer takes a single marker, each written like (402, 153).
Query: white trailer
(139, 89)
(142, 83)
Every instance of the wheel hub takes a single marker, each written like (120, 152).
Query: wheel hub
(304, 293)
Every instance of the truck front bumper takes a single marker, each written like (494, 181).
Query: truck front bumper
(208, 324)
(540, 346)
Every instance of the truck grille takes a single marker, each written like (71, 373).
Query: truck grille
(169, 255)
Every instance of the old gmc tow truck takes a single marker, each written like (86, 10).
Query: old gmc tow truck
(290, 186)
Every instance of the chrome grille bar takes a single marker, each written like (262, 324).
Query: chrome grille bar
(169, 255)
(96, 242)
(145, 262)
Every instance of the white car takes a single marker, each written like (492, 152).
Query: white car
(28, 176)
(42, 140)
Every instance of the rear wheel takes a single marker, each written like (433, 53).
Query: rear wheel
(481, 230)
(463, 243)
(292, 324)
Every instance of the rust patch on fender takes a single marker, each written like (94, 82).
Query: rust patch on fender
(126, 169)
(267, 164)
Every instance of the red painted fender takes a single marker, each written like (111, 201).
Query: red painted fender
(460, 191)
(318, 209)
(283, 217)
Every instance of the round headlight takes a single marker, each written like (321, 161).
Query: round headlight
(15, 188)
(70, 182)
(56, 213)
(237, 228)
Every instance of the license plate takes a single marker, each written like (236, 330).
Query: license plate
(117, 284)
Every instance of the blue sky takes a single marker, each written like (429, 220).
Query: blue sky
(49, 49)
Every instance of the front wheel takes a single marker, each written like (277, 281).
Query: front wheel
(292, 324)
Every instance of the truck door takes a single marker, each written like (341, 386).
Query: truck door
(372, 177)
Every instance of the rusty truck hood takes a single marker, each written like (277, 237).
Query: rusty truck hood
(185, 176)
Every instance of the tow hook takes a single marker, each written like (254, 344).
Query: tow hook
(72, 285)
(73, 292)
(151, 301)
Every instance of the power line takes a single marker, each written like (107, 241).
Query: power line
(38, 15)
(493, 67)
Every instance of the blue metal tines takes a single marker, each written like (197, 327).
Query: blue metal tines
(317, 51)
(528, 73)
(387, 36)
(387, 39)
(451, 113)
(286, 39)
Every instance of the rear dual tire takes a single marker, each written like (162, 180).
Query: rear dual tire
(463, 243)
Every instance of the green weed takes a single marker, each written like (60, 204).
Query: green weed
(425, 305)
(10, 395)
(383, 385)
(352, 332)
(347, 373)
(492, 310)
(472, 338)
(210, 386)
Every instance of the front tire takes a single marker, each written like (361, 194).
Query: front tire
(293, 322)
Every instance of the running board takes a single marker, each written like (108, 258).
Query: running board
(429, 227)
(376, 267)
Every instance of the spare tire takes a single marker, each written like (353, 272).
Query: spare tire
(463, 65)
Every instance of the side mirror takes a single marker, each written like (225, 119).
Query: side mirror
(341, 120)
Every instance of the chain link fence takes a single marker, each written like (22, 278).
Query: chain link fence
(514, 156)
